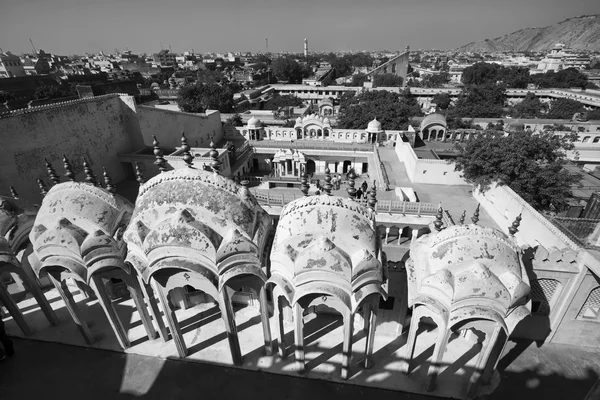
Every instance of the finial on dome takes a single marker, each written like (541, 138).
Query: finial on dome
(328, 185)
(108, 182)
(14, 193)
(187, 156)
(438, 223)
(351, 190)
(68, 169)
(304, 187)
(158, 154)
(54, 177)
(462, 217)
(372, 197)
(43, 187)
(138, 174)
(89, 174)
(475, 217)
(214, 155)
(514, 228)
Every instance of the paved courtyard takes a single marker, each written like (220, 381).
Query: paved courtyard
(56, 360)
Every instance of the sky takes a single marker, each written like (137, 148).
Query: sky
(67, 27)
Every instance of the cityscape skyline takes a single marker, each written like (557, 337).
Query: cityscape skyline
(70, 27)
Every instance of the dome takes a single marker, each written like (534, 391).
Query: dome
(327, 244)
(468, 266)
(254, 123)
(374, 126)
(80, 227)
(432, 120)
(194, 218)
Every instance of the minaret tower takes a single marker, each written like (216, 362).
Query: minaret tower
(305, 47)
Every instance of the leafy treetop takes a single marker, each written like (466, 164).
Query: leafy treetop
(531, 165)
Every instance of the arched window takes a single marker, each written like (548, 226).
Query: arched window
(586, 139)
(590, 311)
(596, 139)
(543, 295)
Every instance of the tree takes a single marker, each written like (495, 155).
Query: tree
(387, 80)
(288, 69)
(234, 120)
(442, 100)
(359, 79)
(531, 165)
(200, 97)
(5, 96)
(208, 76)
(55, 92)
(278, 101)
(488, 74)
(435, 80)
(529, 107)
(566, 78)
(483, 101)
(392, 110)
(564, 108)
(592, 115)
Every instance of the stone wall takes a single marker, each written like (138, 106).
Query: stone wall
(168, 125)
(96, 128)
(434, 172)
(503, 205)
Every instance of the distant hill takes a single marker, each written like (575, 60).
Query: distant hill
(581, 33)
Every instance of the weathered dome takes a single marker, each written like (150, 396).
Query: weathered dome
(80, 227)
(254, 123)
(327, 244)
(197, 217)
(433, 120)
(374, 126)
(469, 267)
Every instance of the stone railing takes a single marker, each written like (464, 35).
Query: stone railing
(63, 104)
(381, 172)
(311, 144)
(267, 197)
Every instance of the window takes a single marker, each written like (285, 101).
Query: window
(543, 292)
(590, 311)
(596, 139)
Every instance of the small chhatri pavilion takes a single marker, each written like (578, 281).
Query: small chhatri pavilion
(78, 234)
(327, 257)
(468, 281)
(196, 228)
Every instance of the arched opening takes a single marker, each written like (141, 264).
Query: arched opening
(596, 139)
(425, 134)
(310, 167)
(346, 166)
(426, 333)
(406, 235)
(319, 133)
(322, 326)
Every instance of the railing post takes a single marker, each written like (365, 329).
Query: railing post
(419, 210)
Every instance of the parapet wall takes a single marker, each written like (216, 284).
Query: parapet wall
(503, 205)
(96, 128)
(434, 172)
(167, 126)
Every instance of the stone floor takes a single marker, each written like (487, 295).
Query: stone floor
(548, 370)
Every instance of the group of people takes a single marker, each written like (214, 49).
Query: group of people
(336, 181)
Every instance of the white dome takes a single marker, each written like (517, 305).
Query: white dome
(374, 126)
(254, 123)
